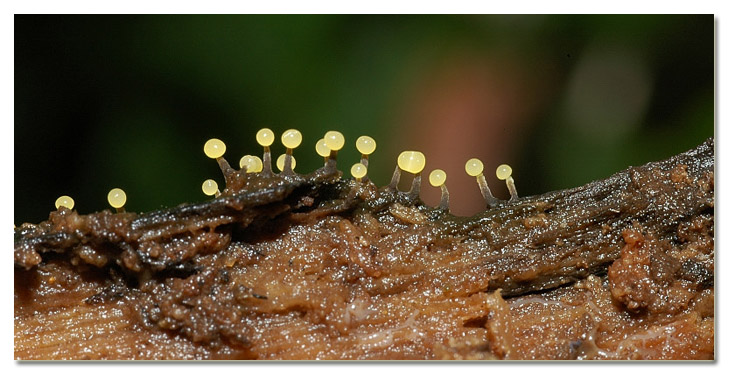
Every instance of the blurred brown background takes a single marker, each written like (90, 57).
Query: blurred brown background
(128, 101)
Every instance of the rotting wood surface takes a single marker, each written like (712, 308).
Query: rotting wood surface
(316, 267)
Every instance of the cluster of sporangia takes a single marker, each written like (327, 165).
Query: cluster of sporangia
(409, 161)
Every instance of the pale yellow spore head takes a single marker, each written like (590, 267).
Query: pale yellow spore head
(474, 167)
(252, 163)
(334, 140)
(210, 187)
(214, 148)
(359, 170)
(504, 171)
(265, 137)
(321, 148)
(437, 177)
(291, 138)
(65, 201)
(365, 145)
(117, 198)
(412, 161)
(280, 162)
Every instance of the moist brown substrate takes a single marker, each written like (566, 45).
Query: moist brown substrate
(319, 268)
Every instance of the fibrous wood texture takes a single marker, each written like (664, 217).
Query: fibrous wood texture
(317, 267)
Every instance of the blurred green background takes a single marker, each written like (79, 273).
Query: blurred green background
(128, 101)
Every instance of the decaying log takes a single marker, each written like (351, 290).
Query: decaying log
(318, 267)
